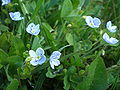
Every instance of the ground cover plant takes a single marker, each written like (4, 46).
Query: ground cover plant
(59, 45)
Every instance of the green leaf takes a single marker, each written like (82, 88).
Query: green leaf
(86, 45)
(12, 60)
(17, 46)
(48, 36)
(96, 78)
(21, 29)
(75, 79)
(16, 61)
(66, 8)
(3, 28)
(39, 68)
(40, 80)
(6, 71)
(3, 57)
(66, 83)
(39, 3)
(50, 74)
(12, 44)
(35, 43)
(69, 38)
(81, 3)
(71, 71)
(1, 66)
(4, 41)
(52, 3)
(13, 85)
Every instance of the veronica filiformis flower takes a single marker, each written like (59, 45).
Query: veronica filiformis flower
(38, 57)
(109, 40)
(33, 29)
(110, 27)
(92, 22)
(5, 2)
(54, 59)
(16, 16)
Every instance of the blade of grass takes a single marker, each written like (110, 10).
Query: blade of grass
(39, 3)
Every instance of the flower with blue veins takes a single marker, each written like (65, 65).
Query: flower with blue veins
(5, 2)
(33, 29)
(16, 16)
(54, 59)
(38, 57)
(109, 40)
(110, 27)
(92, 22)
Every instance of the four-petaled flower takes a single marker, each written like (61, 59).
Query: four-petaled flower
(110, 27)
(5, 2)
(37, 57)
(33, 29)
(109, 40)
(92, 22)
(15, 16)
(54, 59)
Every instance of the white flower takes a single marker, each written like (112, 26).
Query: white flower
(33, 29)
(38, 57)
(54, 59)
(15, 16)
(110, 27)
(5, 2)
(92, 22)
(109, 40)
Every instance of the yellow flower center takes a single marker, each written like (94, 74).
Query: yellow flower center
(38, 57)
(33, 31)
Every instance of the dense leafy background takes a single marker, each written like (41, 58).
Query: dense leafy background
(83, 65)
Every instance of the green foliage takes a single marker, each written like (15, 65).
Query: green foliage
(3, 28)
(49, 74)
(67, 8)
(96, 78)
(36, 43)
(13, 85)
(87, 62)
(3, 56)
(39, 3)
(69, 73)
(40, 81)
(69, 39)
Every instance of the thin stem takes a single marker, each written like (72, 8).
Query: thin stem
(31, 41)
(93, 50)
(80, 52)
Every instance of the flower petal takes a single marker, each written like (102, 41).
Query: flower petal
(42, 60)
(55, 55)
(34, 62)
(30, 27)
(5, 2)
(37, 29)
(52, 65)
(106, 37)
(32, 53)
(109, 24)
(96, 22)
(113, 40)
(54, 62)
(40, 52)
(110, 27)
(113, 29)
(89, 21)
